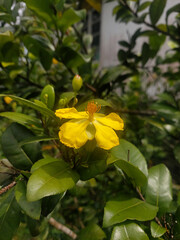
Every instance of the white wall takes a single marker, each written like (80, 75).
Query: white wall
(112, 32)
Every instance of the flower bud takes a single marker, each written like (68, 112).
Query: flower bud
(77, 83)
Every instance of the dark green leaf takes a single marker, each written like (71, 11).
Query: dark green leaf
(32, 209)
(34, 226)
(156, 10)
(9, 215)
(175, 8)
(157, 230)
(132, 209)
(50, 179)
(143, 6)
(95, 165)
(21, 157)
(92, 232)
(50, 202)
(159, 187)
(128, 231)
(71, 58)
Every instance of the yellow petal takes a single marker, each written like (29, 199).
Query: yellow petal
(73, 133)
(112, 120)
(105, 136)
(90, 131)
(70, 113)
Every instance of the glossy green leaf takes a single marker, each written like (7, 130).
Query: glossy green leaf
(92, 232)
(21, 157)
(9, 215)
(128, 231)
(50, 179)
(156, 10)
(132, 209)
(132, 171)
(70, 17)
(128, 152)
(48, 96)
(32, 209)
(43, 110)
(95, 165)
(159, 187)
(157, 230)
(21, 118)
(43, 162)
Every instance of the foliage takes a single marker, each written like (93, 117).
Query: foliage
(128, 192)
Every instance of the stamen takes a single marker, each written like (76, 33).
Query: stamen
(92, 108)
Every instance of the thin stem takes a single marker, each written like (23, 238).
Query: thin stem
(5, 189)
(62, 228)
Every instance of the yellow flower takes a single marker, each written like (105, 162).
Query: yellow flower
(7, 100)
(88, 125)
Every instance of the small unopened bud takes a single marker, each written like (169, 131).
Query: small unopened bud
(77, 83)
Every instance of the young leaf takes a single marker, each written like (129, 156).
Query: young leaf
(128, 231)
(156, 10)
(156, 230)
(50, 179)
(133, 209)
(159, 187)
(9, 215)
(92, 232)
(21, 157)
(32, 209)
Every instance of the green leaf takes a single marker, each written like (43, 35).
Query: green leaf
(128, 152)
(33, 226)
(156, 230)
(36, 139)
(143, 6)
(133, 172)
(175, 8)
(21, 118)
(43, 110)
(132, 209)
(98, 101)
(156, 10)
(44, 9)
(9, 215)
(70, 17)
(92, 232)
(95, 165)
(50, 179)
(21, 157)
(159, 187)
(43, 162)
(128, 231)
(71, 58)
(32, 209)
(50, 202)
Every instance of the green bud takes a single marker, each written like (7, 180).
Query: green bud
(48, 96)
(77, 83)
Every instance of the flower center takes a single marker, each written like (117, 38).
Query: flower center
(91, 109)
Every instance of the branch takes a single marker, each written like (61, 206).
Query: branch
(62, 228)
(5, 189)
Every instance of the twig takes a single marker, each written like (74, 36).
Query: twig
(5, 189)
(62, 228)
